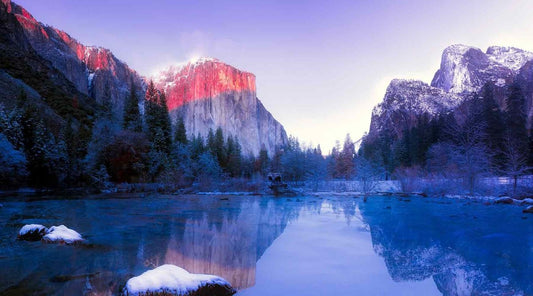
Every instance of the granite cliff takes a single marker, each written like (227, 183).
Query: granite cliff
(208, 94)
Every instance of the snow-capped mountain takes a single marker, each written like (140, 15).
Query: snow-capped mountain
(209, 94)
(463, 70)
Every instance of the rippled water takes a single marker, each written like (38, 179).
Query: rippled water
(273, 246)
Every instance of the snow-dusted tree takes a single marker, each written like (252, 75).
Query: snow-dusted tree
(316, 168)
(467, 133)
(10, 125)
(293, 161)
(12, 164)
(104, 130)
(344, 160)
(182, 166)
(209, 170)
(515, 159)
(368, 174)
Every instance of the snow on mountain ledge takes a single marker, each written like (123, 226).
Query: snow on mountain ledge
(169, 279)
(511, 57)
(406, 98)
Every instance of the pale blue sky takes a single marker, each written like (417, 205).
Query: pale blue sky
(320, 65)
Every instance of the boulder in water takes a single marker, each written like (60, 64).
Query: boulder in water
(32, 232)
(63, 235)
(528, 210)
(172, 280)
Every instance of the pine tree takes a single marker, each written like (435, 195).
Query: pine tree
(132, 116)
(220, 151)
(495, 125)
(157, 119)
(107, 103)
(516, 146)
(164, 122)
(262, 163)
(210, 142)
(197, 146)
(180, 136)
(516, 117)
(234, 158)
(345, 160)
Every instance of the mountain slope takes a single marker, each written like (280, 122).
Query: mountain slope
(94, 71)
(22, 68)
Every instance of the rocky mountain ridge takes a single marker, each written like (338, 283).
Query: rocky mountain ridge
(463, 71)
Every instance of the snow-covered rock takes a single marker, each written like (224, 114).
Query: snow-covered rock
(62, 234)
(528, 210)
(169, 279)
(32, 232)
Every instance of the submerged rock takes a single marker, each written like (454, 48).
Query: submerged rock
(528, 210)
(169, 279)
(504, 200)
(32, 232)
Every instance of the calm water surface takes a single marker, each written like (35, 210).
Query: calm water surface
(273, 246)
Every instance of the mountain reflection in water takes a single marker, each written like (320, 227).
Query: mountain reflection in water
(467, 248)
(268, 246)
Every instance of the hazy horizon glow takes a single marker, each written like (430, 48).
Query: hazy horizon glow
(320, 67)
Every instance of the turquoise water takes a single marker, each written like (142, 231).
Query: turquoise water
(273, 246)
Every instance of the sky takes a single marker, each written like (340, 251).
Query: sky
(320, 66)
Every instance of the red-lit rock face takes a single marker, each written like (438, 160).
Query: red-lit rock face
(7, 3)
(204, 78)
(95, 57)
